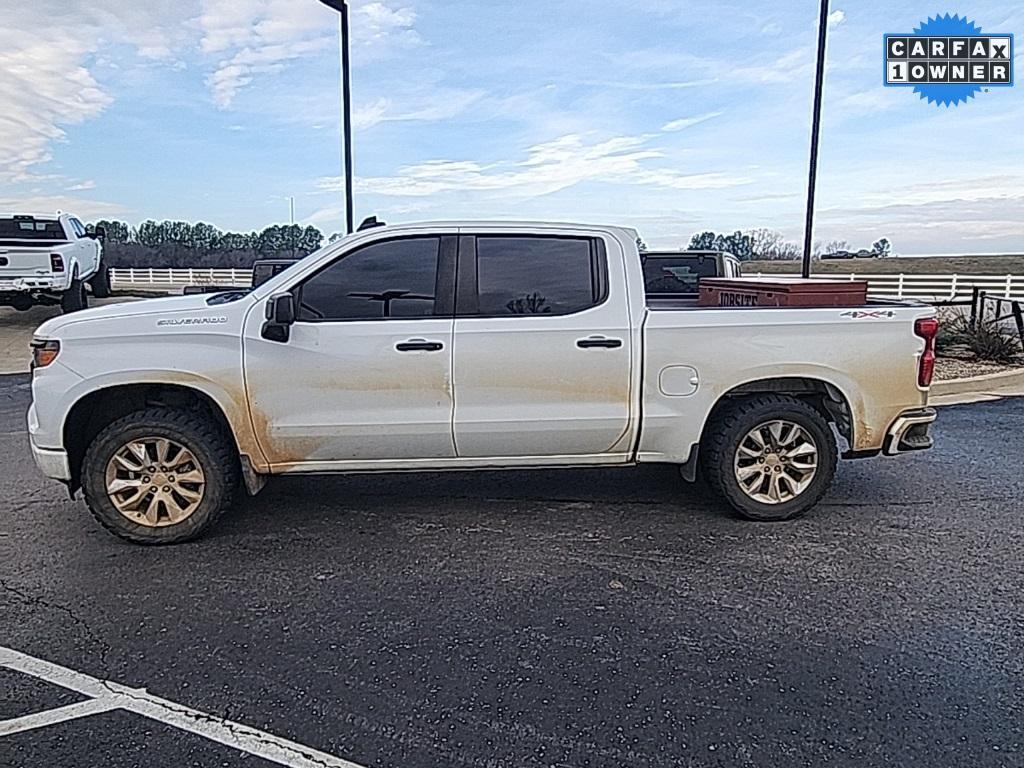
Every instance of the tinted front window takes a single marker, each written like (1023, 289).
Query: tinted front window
(536, 275)
(390, 279)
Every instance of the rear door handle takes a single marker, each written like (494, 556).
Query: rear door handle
(598, 342)
(419, 345)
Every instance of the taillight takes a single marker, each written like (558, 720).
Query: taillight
(56, 262)
(44, 352)
(927, 328)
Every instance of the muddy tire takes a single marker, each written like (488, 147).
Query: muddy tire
(770, 457)
(159, 475)
(100, 282)
(74, 298)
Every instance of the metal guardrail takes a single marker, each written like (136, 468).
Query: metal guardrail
(952, 287)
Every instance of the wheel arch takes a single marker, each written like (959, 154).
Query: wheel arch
(824, 396)
(100, 407)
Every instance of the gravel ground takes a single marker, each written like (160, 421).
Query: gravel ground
(947, 368)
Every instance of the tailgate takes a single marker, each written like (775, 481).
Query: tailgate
(21, 260)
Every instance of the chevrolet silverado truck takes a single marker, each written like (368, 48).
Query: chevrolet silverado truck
(49, 260)
(465, 346)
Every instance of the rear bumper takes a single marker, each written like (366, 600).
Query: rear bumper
(910, 432)
(34, 283)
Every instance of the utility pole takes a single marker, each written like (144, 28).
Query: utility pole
(291, 209)
(341, 6)
(815, 131)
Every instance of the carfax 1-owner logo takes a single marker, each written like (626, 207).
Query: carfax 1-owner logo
(947, 60)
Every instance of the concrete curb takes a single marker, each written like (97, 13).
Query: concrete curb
(979, 384)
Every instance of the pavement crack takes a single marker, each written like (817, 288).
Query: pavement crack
(77, 620)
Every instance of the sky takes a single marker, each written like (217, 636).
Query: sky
(670, 117)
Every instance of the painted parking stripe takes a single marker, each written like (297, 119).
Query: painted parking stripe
(59, 715)
(105, 696)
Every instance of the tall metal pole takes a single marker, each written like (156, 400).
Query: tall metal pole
(346, 108)
(815, 131)
(341, 6)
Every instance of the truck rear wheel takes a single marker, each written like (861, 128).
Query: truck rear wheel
(74, 298)
(159, 476)
(100, 282)
(771, 457)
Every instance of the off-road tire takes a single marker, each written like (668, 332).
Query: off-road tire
(728, 429)
(74, 298)
(100, 282)
(195, 431)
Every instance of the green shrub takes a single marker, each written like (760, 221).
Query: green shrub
(988, 341)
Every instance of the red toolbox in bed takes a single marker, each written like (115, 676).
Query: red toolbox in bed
(781, 292)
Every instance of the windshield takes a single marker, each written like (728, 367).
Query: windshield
(31, 229)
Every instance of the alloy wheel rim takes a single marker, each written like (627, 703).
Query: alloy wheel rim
(776, 461)
(155, 481)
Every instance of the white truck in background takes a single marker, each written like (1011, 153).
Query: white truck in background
(48, 260)
(466, 345)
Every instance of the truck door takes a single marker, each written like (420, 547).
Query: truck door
(365, 375)
(542, 347)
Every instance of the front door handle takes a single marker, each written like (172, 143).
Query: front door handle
(598, 342)
(419, 345)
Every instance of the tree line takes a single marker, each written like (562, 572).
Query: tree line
(770, 245)
(183, 244)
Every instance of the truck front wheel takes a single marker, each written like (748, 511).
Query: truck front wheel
(159, 476)
(100, 282)
(771, 457)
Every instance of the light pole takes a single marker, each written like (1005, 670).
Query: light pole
(341, 6)
(815, 130)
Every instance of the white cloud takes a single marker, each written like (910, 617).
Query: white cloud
(255, 37)
(438, 104)
(686, 122)
(82, 185)
(45, 82)
(50, 204)
(548, 167)
(836, 18)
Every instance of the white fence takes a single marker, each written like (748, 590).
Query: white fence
(932, 287)
(899, 286)
(173, 279)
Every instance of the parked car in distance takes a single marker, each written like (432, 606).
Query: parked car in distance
(48, 260)
(466, 345)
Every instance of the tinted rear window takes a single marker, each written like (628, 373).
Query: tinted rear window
(30, 229)
(677, 274)
(536, 275)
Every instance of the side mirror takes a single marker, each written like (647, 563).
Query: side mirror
(280, 315)
(100, 234)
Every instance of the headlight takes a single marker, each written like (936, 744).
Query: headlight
(44, 352)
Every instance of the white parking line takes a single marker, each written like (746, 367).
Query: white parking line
(105, 696)
(59, 715)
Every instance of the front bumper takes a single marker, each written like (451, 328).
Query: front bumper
(52, 463)
(910, 432)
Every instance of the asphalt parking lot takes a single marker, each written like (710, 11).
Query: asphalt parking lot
(556, 618)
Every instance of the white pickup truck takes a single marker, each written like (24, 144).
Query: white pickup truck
(49, 260)
(465, 346)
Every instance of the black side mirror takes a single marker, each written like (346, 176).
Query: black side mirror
(100, 234)
(280, 315)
